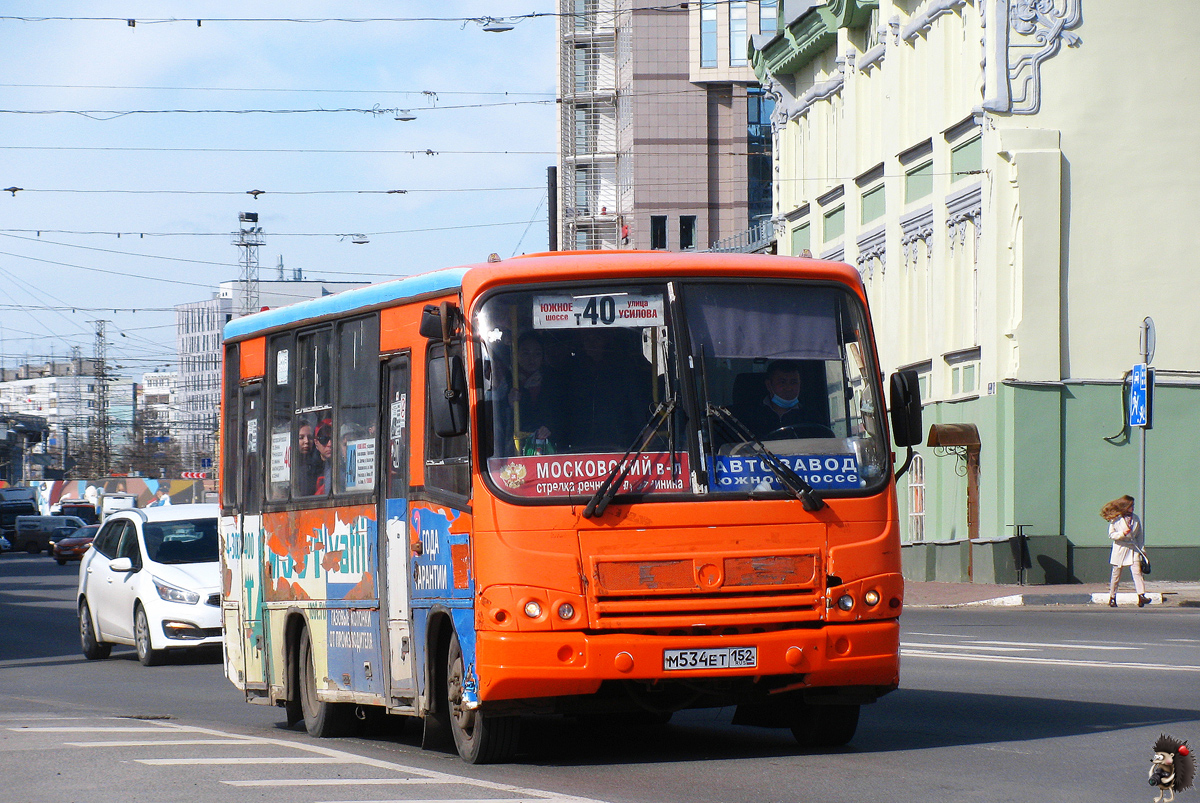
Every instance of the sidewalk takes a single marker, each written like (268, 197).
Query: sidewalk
(957, 595)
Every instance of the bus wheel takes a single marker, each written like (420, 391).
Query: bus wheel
(480, 738)
(321, 719)
(824, 725)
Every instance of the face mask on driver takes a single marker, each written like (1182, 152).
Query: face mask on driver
(786, 404)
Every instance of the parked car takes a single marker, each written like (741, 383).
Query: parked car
(5, 544)
(34, 533)
(152, 579)
(74, 544)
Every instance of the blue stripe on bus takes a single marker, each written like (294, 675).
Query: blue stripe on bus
(347, 301)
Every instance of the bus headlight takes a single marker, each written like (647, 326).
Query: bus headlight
(871, 597)
(533, 609)
(566, 611)
(845, 602)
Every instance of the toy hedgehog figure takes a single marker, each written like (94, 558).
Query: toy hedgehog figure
(1173, 767)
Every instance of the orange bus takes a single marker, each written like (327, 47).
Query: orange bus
(579, 483)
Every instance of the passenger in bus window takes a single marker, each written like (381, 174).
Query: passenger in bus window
(536, 401)
(609, 391)
(780, 414)
(308, 461)
(324, 439)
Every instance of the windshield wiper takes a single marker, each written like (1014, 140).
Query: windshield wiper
(617, 474)
(789, 479)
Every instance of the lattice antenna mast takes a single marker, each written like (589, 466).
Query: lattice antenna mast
(100, 355)
(248, 237)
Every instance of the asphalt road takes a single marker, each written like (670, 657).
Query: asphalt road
(996, 705)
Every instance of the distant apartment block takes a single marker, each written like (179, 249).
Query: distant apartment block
(664, 132)
(198, 328)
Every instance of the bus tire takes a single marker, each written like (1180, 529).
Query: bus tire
(824, 725)
(321, 719)
(480, 738)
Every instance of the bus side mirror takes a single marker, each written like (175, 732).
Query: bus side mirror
(905, 408)
(448, 396)
(432, 320)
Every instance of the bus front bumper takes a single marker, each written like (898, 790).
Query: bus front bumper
(514, 666)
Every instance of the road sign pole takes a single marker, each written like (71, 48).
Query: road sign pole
(1147, 339)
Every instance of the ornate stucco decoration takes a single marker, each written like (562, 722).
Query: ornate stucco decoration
(962, 207)
(1018, 36)
(872, 246)
(916, 227)
(922, 22)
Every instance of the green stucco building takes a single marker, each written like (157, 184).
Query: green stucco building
(1015, 181)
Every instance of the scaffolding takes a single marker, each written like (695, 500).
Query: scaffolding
(594, 200)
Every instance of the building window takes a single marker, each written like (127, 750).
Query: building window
(918, 183)
(801, 240)
(835, 224)
(964, 371)
(966, 159)
(759, 106)
(766, 17)
(872, 204)
(916, 499)
(658, 231)
(708, 34)
(687, 232)
(737, 33)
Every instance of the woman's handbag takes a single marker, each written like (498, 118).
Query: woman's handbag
(1145, 561)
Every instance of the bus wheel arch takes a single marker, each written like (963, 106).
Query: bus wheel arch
(293, 626)
(322, 718)
(478, 736)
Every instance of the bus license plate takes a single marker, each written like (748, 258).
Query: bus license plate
(725, 658)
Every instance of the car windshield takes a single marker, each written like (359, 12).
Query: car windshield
(184, 541)
(571, 377)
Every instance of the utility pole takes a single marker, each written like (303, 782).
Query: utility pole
(248, 237)
(100, 356)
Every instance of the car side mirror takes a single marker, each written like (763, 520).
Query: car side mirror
(121, 565)
(905, 408)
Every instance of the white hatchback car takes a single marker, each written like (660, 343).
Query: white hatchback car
(152, 579)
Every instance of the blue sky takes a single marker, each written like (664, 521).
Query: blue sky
(87, 177)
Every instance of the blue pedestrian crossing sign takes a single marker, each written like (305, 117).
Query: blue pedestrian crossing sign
(1139, 396)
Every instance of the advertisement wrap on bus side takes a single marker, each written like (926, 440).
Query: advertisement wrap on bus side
(549, 476)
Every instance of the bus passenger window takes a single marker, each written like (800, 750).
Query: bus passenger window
(447, 460)
(282, 404)
(358, 410)
(313, 414)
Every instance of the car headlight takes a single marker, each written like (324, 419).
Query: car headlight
(174, 593)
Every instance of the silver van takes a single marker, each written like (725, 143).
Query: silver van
(35, 533)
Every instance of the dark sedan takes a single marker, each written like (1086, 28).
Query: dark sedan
(74, 545)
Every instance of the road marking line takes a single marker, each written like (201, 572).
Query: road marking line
(1048, 661)
(960, 646)
(319, 754)
(555, 799)
(1065, 646)
(168, 762)
(345, 782)
(148, 743)
(113, 729)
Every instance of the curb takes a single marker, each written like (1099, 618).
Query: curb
(1124, 599)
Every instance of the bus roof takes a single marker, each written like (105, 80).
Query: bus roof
(372, 295)
(536, 268)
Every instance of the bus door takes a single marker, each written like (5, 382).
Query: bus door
(394, 545)
(249, 523)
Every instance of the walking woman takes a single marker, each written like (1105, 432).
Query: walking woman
(1125, 530)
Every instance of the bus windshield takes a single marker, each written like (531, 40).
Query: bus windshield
(572, 377)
